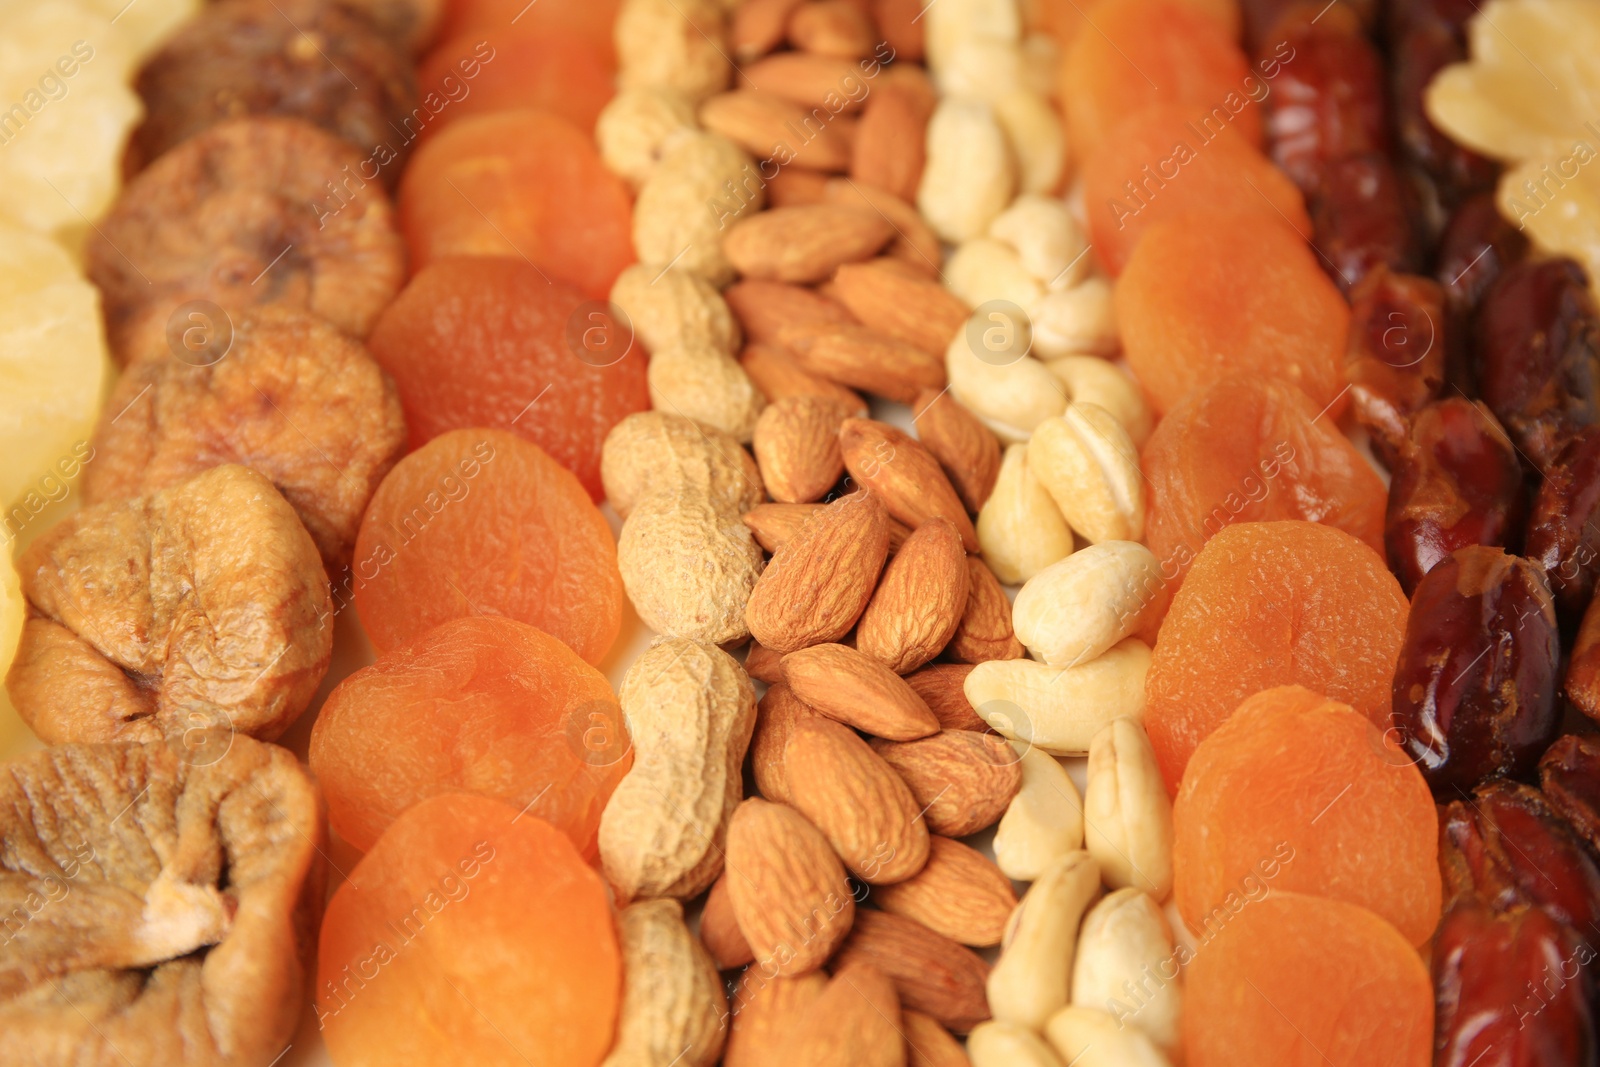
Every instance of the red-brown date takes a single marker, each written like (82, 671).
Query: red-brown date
(1263, 19)
(1419, 52)
(1475, 685)
(1539, 356)
(1569, 775)
(1517, 850)
(1477, 246)
(1582, 683)
(1564, 526)
(1394, 359)
(1361, 219)
(1456, 483)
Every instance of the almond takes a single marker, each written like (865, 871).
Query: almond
(968, 450)
(856, 800)
(818, 582)
(915, 243)
(888, 298)
(825, 83)
(905, 474)
(985, 632)
(961, 779)
(893, 140)
(919, 601)
(932, 973)
(858, 691)
(930, 1045)
(805, 243)
(774, 524)
(940, 686)
(719, 930)
(958, 893)
(776, 717)
(795, 184)
(777, 375)
(796, 443)
(854, 1023)
(766, 1011)
(788, 890)
(832, 28)
(762, 664)
(758, 26)
(900, 23)
(770, 127)
(865, 359)
(767, 309)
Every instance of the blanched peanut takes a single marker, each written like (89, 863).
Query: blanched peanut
(673, 44)
(1034, 130)
(1060, 709)
(1127, 816)
(1020, 529)
(951, 22)
(997, 1044)
(1012, 394)
(672, 308)
(983, 269)
(1126, 965)
(1077, 608)
(970, 173)
(1076, 321)
(635, 128)
(703, 183)
(1030, 980)
(984, 68)
(1088, 1037)
(1047, 239)
(1092, 380)
(1044, 820)
(1088, 463)
(707, 385)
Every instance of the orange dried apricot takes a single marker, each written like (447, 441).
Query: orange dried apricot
(482, 522)
(1145, 52)
(1206, 294)
(1250, 449)
(1159, 163)
(521, 183)
(1299, 981)
(1269, 604)
(553, 69)
(488, 341)
(1308, 781)
(489, 19)
(471, 933)
(481, 704)
(1062, 19)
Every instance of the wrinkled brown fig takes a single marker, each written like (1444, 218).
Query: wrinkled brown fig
(292, 397)
(250, 212)
(309, 59)
(156, 909)
(203, 605)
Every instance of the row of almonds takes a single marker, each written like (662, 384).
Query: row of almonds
(842, 895)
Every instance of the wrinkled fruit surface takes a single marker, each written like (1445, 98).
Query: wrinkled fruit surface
(1395, 361)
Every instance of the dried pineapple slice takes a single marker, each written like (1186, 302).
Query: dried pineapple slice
(1556, 202)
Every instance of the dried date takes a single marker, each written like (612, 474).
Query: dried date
(1569, 774)
(1563, 531)
(1582, 683)
(1394, 359)
(1361, 218)
(1420, 52)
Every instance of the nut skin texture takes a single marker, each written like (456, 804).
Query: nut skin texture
(652, 452)
(909, 307)
(208, 594)
(817, 584)
(672, 308)
(767, 1009)
(940, 687)
(929, 1044)
(788, 889)
(708, 386)
(1475, 686)
(905, 474)
(720, 932)
(854, 1023)
(958, 893)
(985, 632)
(768, 309)
(796, 443)
(806, 243)
(1089, 465)
(919, 600)
(688, 567)
(778, 376)
(690, 711)
(968, 450)
(1060, 709)
(760, 123)
(665, 44)
(932, 973)
(1020, 529)
(857, 800)
(758, 27)
(915, 245)
(864, 359)
(850, 687)
(962, 780)
(1029, 982)
(672, 999)
(670, 216)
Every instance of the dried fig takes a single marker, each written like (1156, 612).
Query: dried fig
(309, 59)
(201, 606)
(250, 212)
(157, 909)
(291, 397)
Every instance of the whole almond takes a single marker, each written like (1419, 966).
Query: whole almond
(887, 296)
(758, 26)
(776, 717)
(778, 376)
(915, 244)
(904, 474)
(961, 779)
(857, 690)
(958, 893)
(932, 973)
(832, 28)
(805, 243)
(901, 24)
(930, 1045)
(919, 601)
(985, 632)
(892, 144)
(815, 81)
(796, 444)
(817, 584)
(767, 1009)
(856, 800)
(770, 127)
(794, 184)
(865, 359)
(789, 892)
(940, 685)
(968, 450)
(773, 525)
(763, 664)
(720, 930)
(766, 310)
(854, 1023)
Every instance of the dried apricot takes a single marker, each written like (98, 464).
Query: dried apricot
(486, 705)
(489, 341)
(1159, 163)
(1147, 52)
(1250, 449)
(1298, 981)
(1268, 604)
(1206, 294)
(592, 20)
(519, 183)
(1355, 822)
(471, 933)
(482, 522)
(552, 69)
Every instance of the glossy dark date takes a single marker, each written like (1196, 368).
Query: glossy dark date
(1539, 356)
(1569, 774)
(1564, 526)
(1361, 218)
(1476, 248)
(1456, 482)
(1394, 359)
(1421, 48)
(1583, 669)
(1475, 686)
